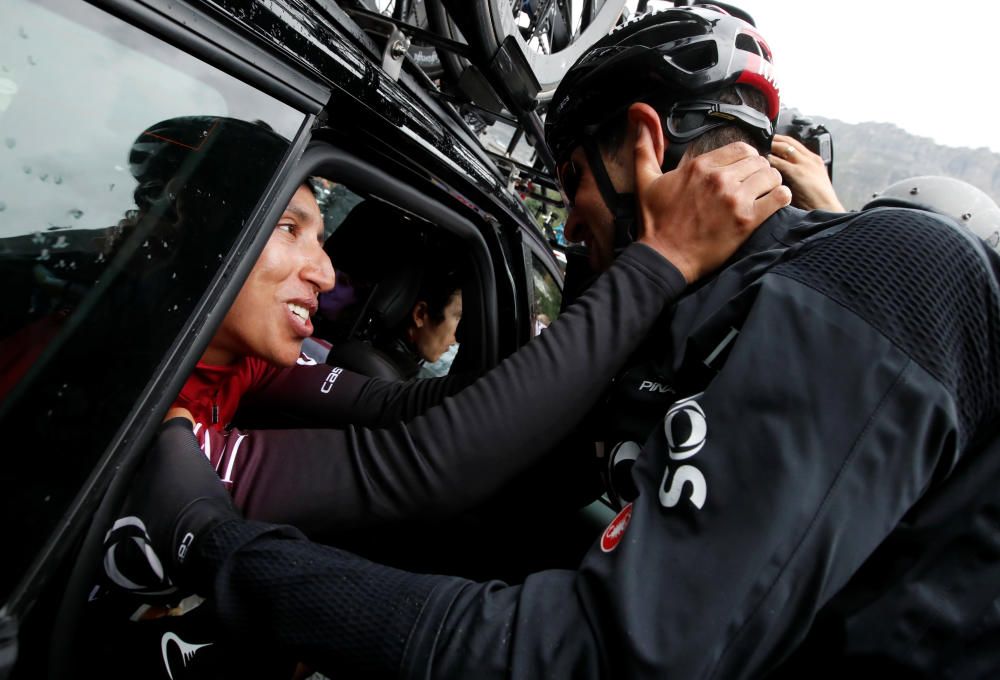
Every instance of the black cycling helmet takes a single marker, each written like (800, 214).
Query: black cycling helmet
(962, 202)
(680, 57)
(684, 55)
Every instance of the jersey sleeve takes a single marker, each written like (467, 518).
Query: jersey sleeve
(321, 395)
(458, 452)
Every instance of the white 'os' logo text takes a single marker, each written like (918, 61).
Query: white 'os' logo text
(686, 430)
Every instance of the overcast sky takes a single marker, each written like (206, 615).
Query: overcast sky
(928, 67)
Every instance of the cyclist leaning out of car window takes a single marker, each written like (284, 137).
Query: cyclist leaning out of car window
(335, 471)
(324, 479)
(817, 498)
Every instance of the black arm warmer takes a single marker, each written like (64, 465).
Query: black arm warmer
(464, 449)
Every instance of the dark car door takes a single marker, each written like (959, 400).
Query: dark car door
(106, 291)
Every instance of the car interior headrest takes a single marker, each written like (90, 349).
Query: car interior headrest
(383, 250)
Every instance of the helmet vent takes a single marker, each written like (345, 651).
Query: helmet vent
(748, 44)
(697, 56)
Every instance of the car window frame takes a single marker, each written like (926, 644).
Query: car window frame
(204, 36)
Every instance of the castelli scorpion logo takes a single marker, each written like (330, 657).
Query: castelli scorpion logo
(613, 534)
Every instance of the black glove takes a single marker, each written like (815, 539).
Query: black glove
(177, 496)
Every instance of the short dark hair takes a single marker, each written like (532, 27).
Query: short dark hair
(611, 135)
(438, 287)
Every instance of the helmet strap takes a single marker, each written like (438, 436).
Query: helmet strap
(673, 154)
(621, 204)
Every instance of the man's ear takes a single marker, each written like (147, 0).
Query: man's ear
(647, 115)
(419, 314)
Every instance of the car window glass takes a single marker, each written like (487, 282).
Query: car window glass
(546, 296)
(127, 169)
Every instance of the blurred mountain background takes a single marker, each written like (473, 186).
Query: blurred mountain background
(868, 157)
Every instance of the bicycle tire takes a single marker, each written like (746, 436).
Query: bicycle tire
(488, 23)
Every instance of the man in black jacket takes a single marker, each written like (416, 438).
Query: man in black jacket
(818, 493)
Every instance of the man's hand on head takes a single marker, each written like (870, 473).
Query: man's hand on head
(697, 215)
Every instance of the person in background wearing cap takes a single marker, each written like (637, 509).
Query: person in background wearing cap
(816, 497)
(968, 206)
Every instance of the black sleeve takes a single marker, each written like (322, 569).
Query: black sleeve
(845, 397)
(462, 450)
(320, 395)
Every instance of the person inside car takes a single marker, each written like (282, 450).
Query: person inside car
(429, 329)
(326, 479)
(409, 294)
(817, 497)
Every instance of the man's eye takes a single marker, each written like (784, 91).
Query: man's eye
(286, 227)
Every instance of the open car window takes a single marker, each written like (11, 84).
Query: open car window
(99, 272)
(387, 260)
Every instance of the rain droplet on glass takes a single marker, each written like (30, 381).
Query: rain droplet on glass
(44, 255)
(58, 179)
(44, 176)
(26, 169)
(76, 213)
(61, 242)
(32, 61)
(21, 32)
(10, 142)
(3, 206)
